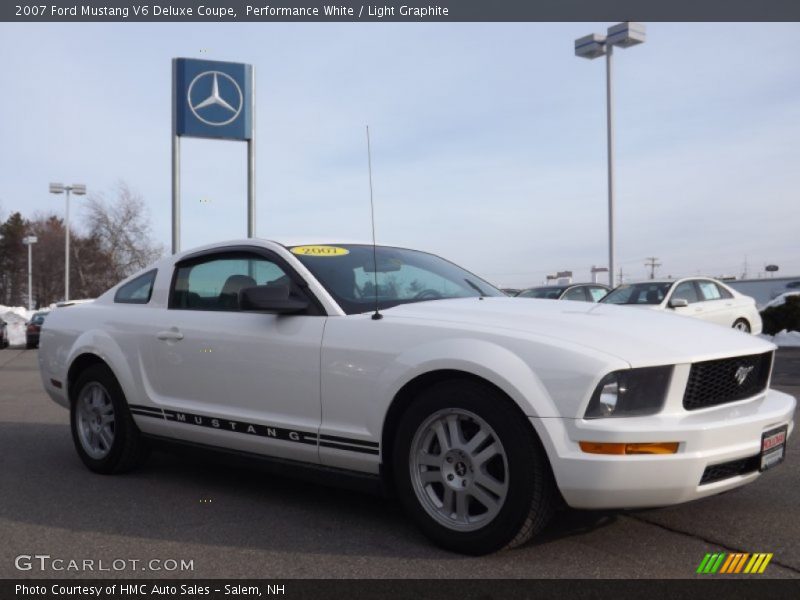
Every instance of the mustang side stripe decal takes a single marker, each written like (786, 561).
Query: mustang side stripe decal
(335, 438)
(339, 446)
(278, 433)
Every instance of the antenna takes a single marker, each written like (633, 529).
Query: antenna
(377, 314)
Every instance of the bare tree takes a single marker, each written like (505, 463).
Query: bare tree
(121, 229)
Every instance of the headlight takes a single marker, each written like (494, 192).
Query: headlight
(630, 393)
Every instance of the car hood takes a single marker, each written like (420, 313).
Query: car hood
(639, 337)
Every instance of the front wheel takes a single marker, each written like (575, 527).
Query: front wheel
(742, 325)
(105, 436)
(470, 470)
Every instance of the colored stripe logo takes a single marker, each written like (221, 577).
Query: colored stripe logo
(735, 562)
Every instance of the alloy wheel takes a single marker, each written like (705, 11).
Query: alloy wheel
(95, 420)
(459, 469)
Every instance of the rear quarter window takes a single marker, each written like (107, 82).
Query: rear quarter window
(137, 291)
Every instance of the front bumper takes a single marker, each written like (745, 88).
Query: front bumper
(706, 437)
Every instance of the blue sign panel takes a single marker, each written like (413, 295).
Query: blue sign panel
(212, 99)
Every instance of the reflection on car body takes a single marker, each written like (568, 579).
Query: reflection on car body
(582, 292)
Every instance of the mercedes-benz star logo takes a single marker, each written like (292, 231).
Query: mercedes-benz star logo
(212, 105)
(742, 373)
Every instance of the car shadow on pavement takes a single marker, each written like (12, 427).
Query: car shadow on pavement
(191, 500)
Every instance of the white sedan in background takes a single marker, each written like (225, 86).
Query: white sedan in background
(698, 297)
(481, 411)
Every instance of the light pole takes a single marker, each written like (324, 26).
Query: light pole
(78, 189)
(29, 241)
(593, 46)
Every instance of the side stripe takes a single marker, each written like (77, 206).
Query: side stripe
(336, 438)
(257, 429)
(339, 446)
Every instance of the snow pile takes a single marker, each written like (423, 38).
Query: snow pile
(779, 300)
(787, 339)
(15, 318)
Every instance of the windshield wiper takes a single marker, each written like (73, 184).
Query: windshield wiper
(474, 287)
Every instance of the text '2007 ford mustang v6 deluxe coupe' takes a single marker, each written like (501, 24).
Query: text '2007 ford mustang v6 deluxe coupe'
(481, 411)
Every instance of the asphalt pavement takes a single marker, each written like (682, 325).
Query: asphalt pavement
(233, 523)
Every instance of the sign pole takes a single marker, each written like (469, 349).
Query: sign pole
(67, 189)
(610, 134)
(251, 163)
(176, 194)
(176, 167)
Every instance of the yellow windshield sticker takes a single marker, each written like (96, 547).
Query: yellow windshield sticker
(320, 251)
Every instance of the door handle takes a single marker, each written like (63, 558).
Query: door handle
(170, 334)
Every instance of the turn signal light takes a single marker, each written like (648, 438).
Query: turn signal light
(618, 448)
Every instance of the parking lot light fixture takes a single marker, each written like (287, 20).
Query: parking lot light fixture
(29, 241)
(79, 189)
(622, 35)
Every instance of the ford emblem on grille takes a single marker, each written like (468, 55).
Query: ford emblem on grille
(742, 373)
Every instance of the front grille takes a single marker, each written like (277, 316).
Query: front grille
(729, 469)
(727, 380)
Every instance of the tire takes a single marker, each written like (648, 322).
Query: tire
(99, 413)
(741, 325)
(519, 478)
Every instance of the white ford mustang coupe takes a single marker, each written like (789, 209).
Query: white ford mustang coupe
(481, 411)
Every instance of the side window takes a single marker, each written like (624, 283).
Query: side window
(686, 291)
(214, 283)
(597, 293)
(723, 292)
(137, 291)
(710, 290)
(576, 293)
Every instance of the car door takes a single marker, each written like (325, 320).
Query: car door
(243, 380)
(687, 290)
(716, 307)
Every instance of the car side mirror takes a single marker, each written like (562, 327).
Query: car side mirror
(271, 298)
(678, 303)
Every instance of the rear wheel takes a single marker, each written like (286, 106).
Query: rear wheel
(742, 325)
(105, 436)
(469, 469)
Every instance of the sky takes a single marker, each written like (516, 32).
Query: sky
(488, 140)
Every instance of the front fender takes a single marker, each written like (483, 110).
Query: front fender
(488, 360)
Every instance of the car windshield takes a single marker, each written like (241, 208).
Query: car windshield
(652, 292)
(347, 271)
(38, 319)
(549, 292)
